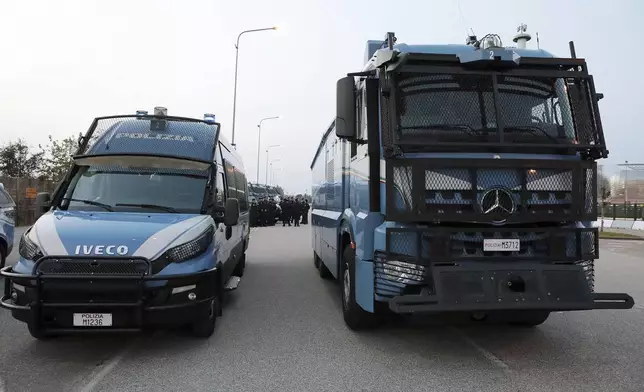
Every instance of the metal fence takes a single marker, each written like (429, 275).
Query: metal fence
(633, 211)
(23, 191)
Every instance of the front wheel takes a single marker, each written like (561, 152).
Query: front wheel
(205, 327)
(355, 317)
(528, 318)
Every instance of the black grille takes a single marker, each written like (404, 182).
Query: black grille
(453, 245)
(125, 267)
(490, 190)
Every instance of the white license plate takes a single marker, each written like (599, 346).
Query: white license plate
(92, 319)
(498, 245)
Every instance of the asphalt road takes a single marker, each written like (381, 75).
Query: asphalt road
(282, 330)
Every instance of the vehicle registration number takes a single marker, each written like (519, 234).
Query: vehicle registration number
(92, 319)
(499, 245)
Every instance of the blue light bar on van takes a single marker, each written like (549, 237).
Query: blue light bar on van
(141, 112)
(209, 118)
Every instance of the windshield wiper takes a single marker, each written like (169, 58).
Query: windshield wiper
(445, 127)
(92, 203)
(151, 206)
(532, 128)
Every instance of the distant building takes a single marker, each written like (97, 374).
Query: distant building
(634, 180)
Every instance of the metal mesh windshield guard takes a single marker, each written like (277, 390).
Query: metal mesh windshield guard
(490, 190)
(479, 109)
(448, 245)
(148, 135)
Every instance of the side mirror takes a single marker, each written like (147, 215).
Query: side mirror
(231, 216)
(345, 120)
(43, 202)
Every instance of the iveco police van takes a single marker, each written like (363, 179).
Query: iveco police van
(149, 228)
(7, 224)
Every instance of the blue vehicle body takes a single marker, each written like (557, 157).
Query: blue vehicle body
(7, 224)
(361, 204)
(149, 228)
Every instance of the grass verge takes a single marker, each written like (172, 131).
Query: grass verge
(617, 236)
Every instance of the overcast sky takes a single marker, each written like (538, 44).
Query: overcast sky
(65, 62)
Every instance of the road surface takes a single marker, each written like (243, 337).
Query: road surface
(282, 330)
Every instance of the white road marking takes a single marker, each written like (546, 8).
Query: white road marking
(107, 367)
(488, 355)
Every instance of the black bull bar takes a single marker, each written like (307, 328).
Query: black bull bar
(149, 304)
(491, 281)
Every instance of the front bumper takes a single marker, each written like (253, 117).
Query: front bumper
(508, 286)
(135, 302)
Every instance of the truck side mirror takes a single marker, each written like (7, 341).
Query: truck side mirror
(345, 120)
(43, 201)
(231, 216)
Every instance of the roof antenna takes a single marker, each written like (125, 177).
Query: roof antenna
(471, 37)
(522, 37)
(538, 46)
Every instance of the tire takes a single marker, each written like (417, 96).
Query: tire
(36, 331)
(355, 317)
(241, 265)
(528, 318)
(205, 327)
(3, 255)
(316, 260)
(324, 271)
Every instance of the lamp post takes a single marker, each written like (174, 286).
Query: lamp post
(236, 64)
(259, 139)
(266, 168)
(271, 168)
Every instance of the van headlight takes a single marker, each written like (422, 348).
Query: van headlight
(184, 252)
(28, 249)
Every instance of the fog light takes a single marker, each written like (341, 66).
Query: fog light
(182, 289)
(192, 296)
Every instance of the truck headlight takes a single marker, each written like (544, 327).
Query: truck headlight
(184, 252)
(399, 271)
(28, 249)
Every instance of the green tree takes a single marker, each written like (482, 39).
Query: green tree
(603, 187)
(17, 160)
(58, 157)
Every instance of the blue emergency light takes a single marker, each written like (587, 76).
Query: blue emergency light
(209, 118)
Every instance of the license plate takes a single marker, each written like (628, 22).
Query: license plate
(498, 245)
(92, 319)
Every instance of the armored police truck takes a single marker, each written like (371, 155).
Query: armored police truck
(148, 228)
(461, 178)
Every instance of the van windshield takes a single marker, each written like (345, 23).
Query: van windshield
(130, 189)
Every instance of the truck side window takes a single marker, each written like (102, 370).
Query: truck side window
(219, 190)
(240, 180)
(230, 179)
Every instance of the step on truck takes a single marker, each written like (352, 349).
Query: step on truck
(148, 229)
(461, 178)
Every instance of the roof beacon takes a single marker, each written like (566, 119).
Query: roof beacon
(160, 111)
(209, 118)
(522, 38)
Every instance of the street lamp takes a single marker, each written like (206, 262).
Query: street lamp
(259, 135)
(271, 168)
(278, 170)
(236, 63)
(266, 168)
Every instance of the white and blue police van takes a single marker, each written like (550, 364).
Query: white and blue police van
(148, 229)
(7, 224)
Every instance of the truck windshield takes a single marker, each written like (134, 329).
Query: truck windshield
(144, 189)
(462, 108)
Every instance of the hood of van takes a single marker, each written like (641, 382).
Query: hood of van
(120, 234)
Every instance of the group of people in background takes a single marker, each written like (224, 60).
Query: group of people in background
(290, 210)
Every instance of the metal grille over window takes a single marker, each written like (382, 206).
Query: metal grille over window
(177, 137)
(474, 108)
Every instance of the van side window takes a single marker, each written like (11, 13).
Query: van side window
(230, 180)
(242, 195)
(219, 190)
(4, 198)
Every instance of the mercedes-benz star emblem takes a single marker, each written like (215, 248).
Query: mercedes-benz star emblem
(499, 203)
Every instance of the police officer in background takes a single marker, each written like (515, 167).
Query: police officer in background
(297, 212)
(263, 212)
(305, 212)
(286, 212)
(253, 213)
